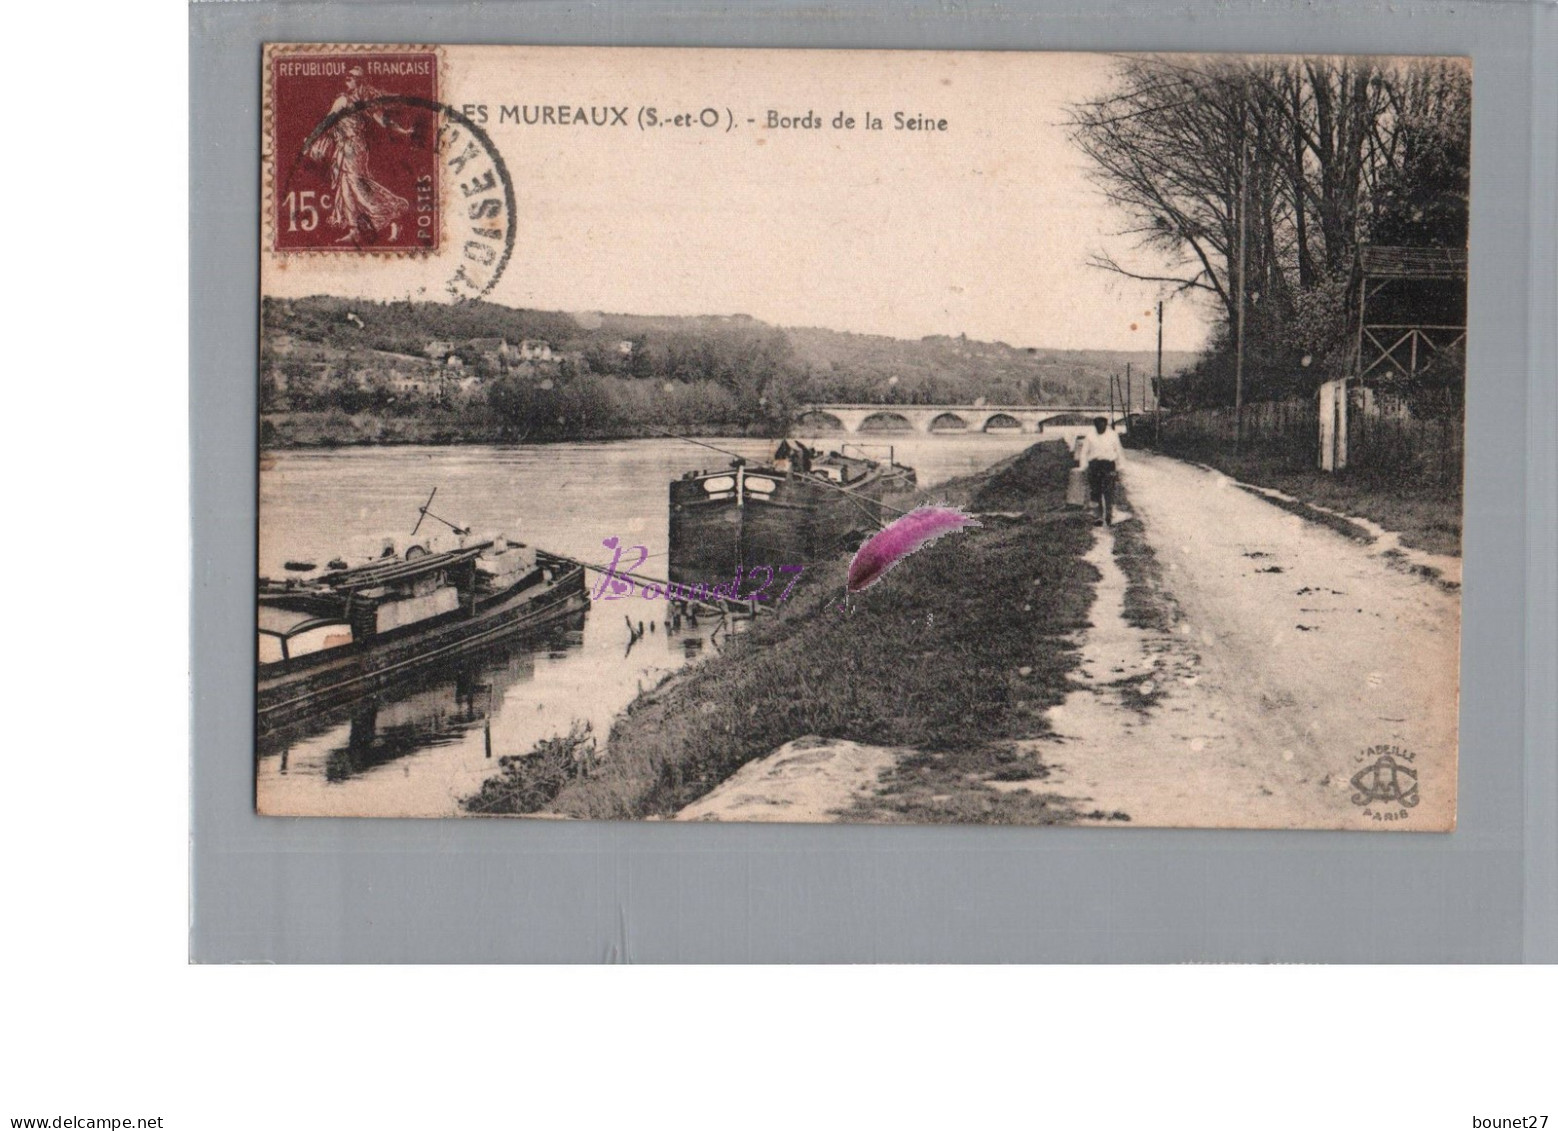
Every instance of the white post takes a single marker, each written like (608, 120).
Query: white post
(1341, 424)
(1333, 425)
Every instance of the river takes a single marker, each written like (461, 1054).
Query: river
(415, 751)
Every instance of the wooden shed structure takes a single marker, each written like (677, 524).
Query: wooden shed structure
(1411, 310)
(1411, 307)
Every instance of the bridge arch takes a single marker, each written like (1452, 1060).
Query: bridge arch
(886, 422)
(815, 420)
(942, 419)
(1068, 420)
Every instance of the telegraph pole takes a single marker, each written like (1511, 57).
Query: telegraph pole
(1127, 395)
(1157, 385)
(1244, 208)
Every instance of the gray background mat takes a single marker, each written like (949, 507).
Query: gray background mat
(305, 890)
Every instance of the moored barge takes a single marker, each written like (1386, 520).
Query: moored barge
(793, 510)
(333, 636)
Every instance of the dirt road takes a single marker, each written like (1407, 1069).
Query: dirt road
(1299, 658)
(1295, 664)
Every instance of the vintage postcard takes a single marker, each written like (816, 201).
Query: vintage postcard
(861, 436)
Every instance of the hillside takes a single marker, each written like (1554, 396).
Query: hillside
(935, 370)
(828, 364)
(339, 371)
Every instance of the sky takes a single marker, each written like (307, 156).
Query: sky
(984, 228)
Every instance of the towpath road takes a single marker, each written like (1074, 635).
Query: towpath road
(1295, 655)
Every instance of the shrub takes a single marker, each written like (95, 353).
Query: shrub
(528, 782)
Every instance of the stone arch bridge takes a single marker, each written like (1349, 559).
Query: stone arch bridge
(944, 419)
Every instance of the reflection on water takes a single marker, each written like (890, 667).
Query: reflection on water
(384, 728)
(417, 748)
(435, 709)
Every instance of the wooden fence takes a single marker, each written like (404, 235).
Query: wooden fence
(1383, 433)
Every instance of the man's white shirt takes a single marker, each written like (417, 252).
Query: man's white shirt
(1102, 445)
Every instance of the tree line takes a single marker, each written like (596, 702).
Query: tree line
(1274, 171)
(734, 374)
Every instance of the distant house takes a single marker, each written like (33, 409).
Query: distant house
(625, 348)
(438, 350)
(412, 384)
(494, 351)
(534, 349)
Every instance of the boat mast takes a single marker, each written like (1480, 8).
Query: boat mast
(741, 522)
(424, 513)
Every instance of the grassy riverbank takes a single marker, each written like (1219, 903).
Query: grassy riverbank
(955, 654)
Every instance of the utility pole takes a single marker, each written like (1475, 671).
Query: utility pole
(1238, 357)
(1127, 395)
(1157, 386)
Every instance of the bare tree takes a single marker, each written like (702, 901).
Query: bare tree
(1308, 157)
(1177, 147)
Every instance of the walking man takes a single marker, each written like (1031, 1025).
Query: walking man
(1102, 456)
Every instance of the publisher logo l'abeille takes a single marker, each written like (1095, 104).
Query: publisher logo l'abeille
(1388, 780)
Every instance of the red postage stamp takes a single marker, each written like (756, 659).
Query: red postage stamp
(354, 149)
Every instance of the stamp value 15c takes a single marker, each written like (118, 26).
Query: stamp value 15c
(354, 150)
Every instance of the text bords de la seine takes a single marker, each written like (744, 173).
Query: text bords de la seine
(721, 118)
